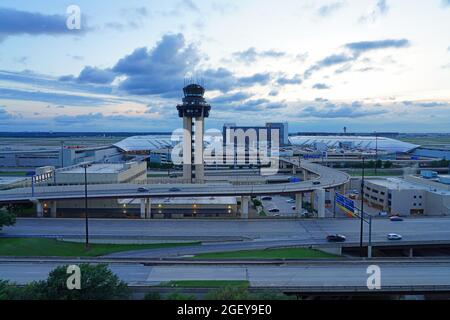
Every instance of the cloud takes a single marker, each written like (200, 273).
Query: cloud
(446, 3)
(189, 4)
(363, 46)
(251, 54)
(51, 97)
(92, 75)
(285, 80)
(16, 22)
(353, 51)
(327, 10)
(426, 104)
(134, 18)
(321, 86)
(4, 115)
(380, 9)
(330, 110)
(230, 98)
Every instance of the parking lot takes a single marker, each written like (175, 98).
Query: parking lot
(281, 203)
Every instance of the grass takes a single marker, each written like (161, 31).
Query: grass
(206, 283)
(21, 247)
(283, 253)
(13, 174)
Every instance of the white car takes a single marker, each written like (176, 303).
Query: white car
(394, 236)
(290, 201)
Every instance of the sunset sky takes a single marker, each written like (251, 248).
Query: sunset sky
(369, 65)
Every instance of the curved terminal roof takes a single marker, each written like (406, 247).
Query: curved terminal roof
(144, 143)
(355, 142)
(157, 142)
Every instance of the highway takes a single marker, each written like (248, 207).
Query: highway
(327, 178)
(325, 276)
(221, 235)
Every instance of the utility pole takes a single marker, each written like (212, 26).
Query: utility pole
(62, 154)
(376, 153)
(86, 216)
(362, 211)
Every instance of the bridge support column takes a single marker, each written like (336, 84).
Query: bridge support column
(148, 209)
(39, 209)
(244, 207)
(298, 203)
(319, 196)
(294, 169)
(305, 175)
(143, 207)
(411, 252)
(53, 209)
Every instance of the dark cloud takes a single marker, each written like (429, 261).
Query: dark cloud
(321, 86)
(256, 79)
(92, 75)
(285, 80)
(330, 110)
(327, 10)
(251, 54)
(16, 22)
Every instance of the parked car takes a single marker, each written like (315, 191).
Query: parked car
(382, 213)
(174, 190)
(142, 189)
(336, 238)
(394, 236)
(266, 198)
(316, 182)
(276, 215)
(290, 201)
(274, 210)
(396, 218)
(294, 207)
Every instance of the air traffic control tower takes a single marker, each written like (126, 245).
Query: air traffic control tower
(193, 110)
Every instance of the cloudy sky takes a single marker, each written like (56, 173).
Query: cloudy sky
(369, 65)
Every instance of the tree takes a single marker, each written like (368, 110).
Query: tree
(6, 218)
(97, 283)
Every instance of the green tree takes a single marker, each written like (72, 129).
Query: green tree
(178, 295)
(242, 293)
(6, 218)
(97, 283)
(388, 164)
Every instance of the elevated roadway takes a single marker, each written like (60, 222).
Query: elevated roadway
(325, 178)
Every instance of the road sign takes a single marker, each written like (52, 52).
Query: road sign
(345, 204)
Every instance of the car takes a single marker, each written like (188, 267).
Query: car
(395, 218)
(336, 238)
(316, 182)
(174, 190)
(276, 215)
(294, 207)
(266, 198)
(142, 189)
(382, 213)
(274, 210)
(290, 201)
(394, 236)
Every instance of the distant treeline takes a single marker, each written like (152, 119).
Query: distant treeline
(76, 134)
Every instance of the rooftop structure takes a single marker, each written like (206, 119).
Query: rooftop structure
(355, 142)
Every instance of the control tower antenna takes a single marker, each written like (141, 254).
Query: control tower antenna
(194, 107)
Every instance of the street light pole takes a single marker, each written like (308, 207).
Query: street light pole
(376, 153)
(362, 211)
(85, 166)
(62, 154)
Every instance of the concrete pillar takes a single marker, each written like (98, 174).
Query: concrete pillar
(199, 165)
(143, 205)
(298, 203)
(294, 169)
(53, 209)
(411, 252)
(319, 196)
(244, 207)
(39, 209)
(187, 148)
(305, 175)
(148, 209)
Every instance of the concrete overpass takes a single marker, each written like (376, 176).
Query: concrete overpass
(323, 178)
